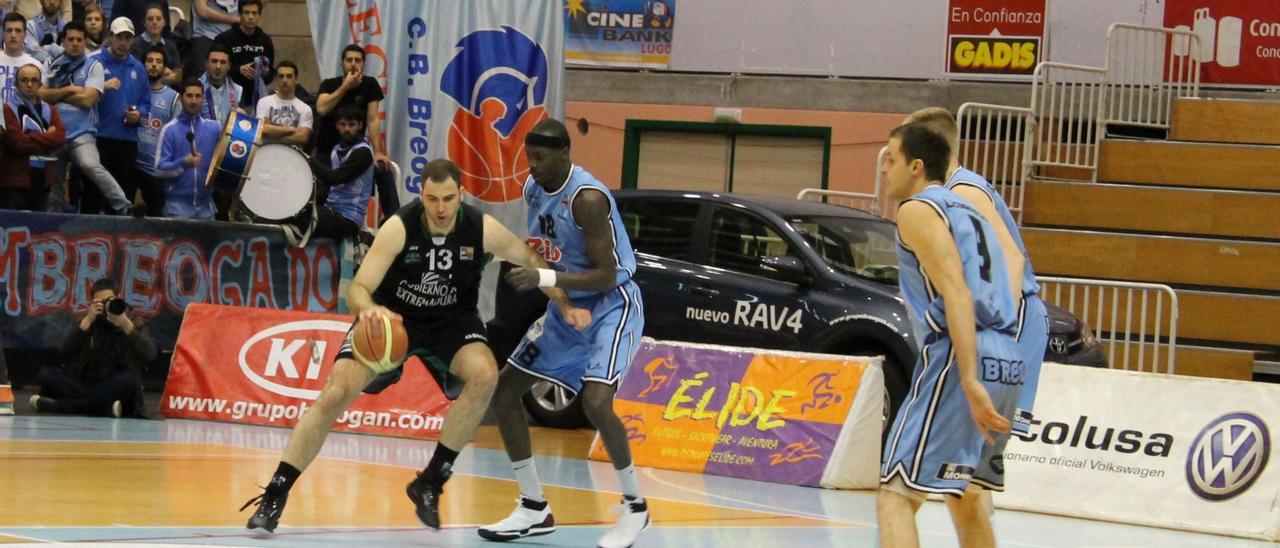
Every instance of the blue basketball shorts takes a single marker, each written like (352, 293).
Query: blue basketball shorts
(934, 446)
(555, 351)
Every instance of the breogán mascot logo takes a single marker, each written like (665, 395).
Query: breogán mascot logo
(499, 79)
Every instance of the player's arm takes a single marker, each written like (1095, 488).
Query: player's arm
(1014, 259)
(925, 232)
(386, 245)
(508, 247)
(591, 212)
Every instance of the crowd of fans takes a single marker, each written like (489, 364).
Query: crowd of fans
(122, 114)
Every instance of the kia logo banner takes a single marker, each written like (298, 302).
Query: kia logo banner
(267, 367)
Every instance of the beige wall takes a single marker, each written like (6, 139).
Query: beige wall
(286, 21)
(856, 137)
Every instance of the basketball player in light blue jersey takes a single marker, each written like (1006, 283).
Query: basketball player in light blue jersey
(1032, 333)
(575, 225)
(957, 288)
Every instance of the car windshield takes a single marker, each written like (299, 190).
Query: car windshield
(861, 247)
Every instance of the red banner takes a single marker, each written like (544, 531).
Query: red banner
(996, 37)
(256, 366)
(1239, 39)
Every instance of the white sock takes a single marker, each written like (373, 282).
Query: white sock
(627, 481)
(527, 476)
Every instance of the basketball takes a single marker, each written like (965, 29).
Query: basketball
(380, 345)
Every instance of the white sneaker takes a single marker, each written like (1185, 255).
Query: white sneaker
(529, 519)
(117, 409)
(634, 519)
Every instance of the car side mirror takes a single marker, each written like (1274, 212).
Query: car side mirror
(786, 267)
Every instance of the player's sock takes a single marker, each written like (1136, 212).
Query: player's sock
(437, 471)
(527, 477)
(284, 478)
(627, 481)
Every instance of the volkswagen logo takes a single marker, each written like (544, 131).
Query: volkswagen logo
(1057, 345)
(1228, 456)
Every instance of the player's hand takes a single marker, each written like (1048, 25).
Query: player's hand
(522, 278)
(113, 83)
(578, 317)
(376, 313)
(983, 411)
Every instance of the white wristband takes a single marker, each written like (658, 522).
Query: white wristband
(546, 277)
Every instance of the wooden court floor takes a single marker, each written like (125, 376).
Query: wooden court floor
(178, 482)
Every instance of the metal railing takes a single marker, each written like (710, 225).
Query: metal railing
(856, 200)
(1067, 103)
(1147, 68)
(1136, 322)
(995, 143)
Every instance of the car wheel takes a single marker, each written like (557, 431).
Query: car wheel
(552, 405)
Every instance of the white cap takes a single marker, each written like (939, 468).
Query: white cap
(122, 24)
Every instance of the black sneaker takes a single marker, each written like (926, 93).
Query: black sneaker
(425, 495)
(270, 506)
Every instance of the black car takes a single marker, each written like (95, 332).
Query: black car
(768, 273)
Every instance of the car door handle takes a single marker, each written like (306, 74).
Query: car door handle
(704, 291)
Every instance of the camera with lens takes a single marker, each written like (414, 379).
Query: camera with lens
(115, 306)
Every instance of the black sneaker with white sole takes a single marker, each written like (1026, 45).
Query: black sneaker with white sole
(425, 495)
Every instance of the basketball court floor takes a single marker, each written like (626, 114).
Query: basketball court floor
(73, 479)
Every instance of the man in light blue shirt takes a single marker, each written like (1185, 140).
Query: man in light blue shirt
(75, 85)
(43, 30)
(164, 107)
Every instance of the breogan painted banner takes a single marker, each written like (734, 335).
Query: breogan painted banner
(783, 417)
(255, 366)
(1162, 450)
(996, 37)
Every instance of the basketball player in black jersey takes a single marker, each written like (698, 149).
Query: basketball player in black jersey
(424, 267)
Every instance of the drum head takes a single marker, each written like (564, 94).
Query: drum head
(279, 183)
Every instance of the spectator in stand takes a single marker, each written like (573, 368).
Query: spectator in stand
(29, 8)
(43, 30)
(95, 28)
(136, 11)
(33, 131)
(75, 85)
(221, 94)
(252, 53)
(209, 18)
(352, 88)
(104, 355)
(285, 118)
(346, 178)
(164, 107)
(152, 36)
(14, 57)
(186, 148)
(125, 104)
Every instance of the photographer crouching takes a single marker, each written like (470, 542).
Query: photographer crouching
(103, 358)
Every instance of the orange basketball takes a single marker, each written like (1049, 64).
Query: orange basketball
(381, 346)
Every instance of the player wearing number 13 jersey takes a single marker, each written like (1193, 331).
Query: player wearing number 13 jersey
(965, 386)
(424, 266)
